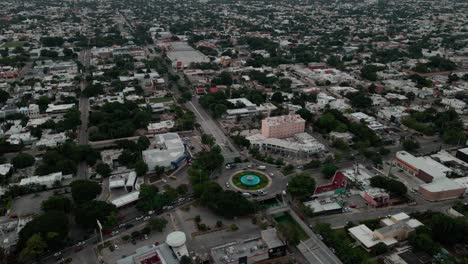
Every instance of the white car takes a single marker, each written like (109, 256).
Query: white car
(150, 212)
(147, 218)
(139, 218)
(146, 237)
(116, 246)
(116, 232)
(228, 185)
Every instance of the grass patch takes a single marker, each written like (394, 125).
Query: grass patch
(13, 44)
(236, 180)
(161, 100)
(287, 220)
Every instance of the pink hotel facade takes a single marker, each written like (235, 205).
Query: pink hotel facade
(282, 126)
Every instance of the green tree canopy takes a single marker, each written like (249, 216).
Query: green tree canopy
(301, 186)
(87, 213)
(84, 190)
(56, 203)
(23, 160)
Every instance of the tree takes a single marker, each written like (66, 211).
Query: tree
(360, 100)
(410, 145)
(209, 161)
(151, 199)
(84, 190)
(158, 224)
(87, 213)
(411, 96)
(329, 170)
(182, 189)
(380, 248)
(277, 97)
(141, 168)
(52, 226)
(56, 203)
(290, 233)
(391, 185)
(93, 90)
(305, 114)
(143, 143)
(103, 169)
(207, 140)
(4, 95)
(301, 186)
(159, 170)
(227, 203)
(421, 240)
(185, 260)
(35, 247)
(23, 160)
(288, 169)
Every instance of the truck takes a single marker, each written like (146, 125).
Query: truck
(261, 167)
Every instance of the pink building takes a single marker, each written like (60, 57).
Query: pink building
(282, 126)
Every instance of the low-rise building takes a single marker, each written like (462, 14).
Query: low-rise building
(168, 153)
(393, 113)
(46, 180)
(160, 127)
(248, 108)
(302, 144)
(265, 247)
(152, 254)
(394, 229)
(437, 186)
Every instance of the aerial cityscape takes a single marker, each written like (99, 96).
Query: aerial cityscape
(234, 131)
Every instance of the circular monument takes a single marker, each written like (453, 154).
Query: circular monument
(250, 180)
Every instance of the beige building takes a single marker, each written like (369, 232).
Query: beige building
(394, 229)
(282, 126)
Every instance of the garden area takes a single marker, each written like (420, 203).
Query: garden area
(250, 180)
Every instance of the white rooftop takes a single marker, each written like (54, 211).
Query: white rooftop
(170, 149)
(126, 199)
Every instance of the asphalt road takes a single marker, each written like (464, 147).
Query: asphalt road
(340, 220)
(84, 58)
(210, 127)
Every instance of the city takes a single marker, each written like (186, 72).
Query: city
(234, 131)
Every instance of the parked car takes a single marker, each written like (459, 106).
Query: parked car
(116, 232)
(147, 218)
(139, 218)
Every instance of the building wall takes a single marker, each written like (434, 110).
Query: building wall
(425, 177)
(462, 156)
(443, 195)
(285, 129)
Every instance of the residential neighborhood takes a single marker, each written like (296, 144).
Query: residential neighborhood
(240, 131)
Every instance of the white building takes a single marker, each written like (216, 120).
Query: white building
(303, 144)
(47, 180)
(393, 113)
(169, 152)
(160, 127)
(456, 104)
(248, 108)
(58, 109)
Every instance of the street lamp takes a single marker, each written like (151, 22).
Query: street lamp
(100, 230)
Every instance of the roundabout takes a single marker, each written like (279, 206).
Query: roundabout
(250, 180)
